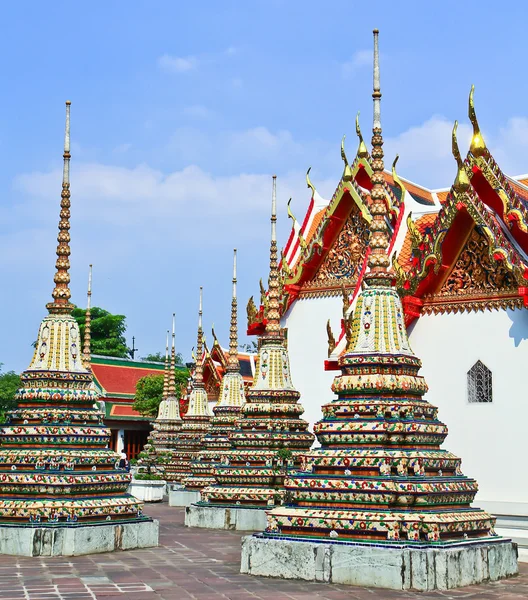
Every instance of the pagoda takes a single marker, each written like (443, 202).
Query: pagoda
(270, 435)
(216, 446)
(59, 480)
(195, 423)
(380, 503)
(157, 451)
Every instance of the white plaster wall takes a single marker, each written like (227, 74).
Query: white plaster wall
(308, 349)
(491, 439)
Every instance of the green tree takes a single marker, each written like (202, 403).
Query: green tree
(9, 384)
(160, 357)
(149, 392)
(107, 332)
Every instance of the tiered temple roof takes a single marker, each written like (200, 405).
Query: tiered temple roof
(216, 446)
(462, 248)
(380, 475)
(270, 433)
(55, 468)
(197, 421)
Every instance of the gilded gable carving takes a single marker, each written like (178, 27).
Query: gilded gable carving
(342, 264)
(476, 282)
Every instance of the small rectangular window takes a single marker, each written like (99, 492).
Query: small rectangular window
(479, 383)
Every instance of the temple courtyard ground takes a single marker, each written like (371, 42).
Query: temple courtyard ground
(193, 563)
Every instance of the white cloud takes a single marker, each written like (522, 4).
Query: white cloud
(122, 148)
(361, 58)
(177, 64)
(231, 51)
(198, 111)
(425, 151)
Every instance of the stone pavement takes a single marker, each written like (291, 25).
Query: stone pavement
(193, 564)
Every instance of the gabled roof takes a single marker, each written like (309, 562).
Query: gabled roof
(117, 377)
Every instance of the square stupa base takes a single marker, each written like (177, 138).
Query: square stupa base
(393, 567)
(225, 517)
(179, 496)
(77, 540)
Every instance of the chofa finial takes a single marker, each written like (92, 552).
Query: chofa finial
(308, 183)
(477, 146)
(462, 181)
(362, 151)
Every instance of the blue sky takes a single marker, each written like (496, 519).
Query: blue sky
(182, 111)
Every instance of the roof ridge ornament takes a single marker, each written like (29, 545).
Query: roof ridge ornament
(308, 183)
(362, 151)
(347, 172)
(478, 146)
(461, 181)
(397, 180)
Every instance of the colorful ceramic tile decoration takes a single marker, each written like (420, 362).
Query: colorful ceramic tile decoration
(380, 475)
(197, 421)
(216, 445)
(55, 465)
(164, 437)
(270, 435)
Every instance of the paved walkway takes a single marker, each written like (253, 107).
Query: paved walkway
(197, 564)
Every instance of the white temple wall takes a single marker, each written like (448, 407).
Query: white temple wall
(308, 349)
(491, 438)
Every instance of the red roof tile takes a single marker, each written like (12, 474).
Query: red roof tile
(118, 379)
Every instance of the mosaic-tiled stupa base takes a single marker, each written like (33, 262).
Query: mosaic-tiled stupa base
(384, 565)
(61, 491)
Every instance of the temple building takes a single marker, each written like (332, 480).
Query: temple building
(216, 445)
(270, 435)
(379, 478)
(58, 478)
(461, 259)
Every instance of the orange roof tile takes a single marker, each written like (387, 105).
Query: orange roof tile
(442, 196)
(405, 256)
(318, 217)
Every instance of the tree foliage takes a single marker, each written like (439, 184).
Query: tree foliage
(107, 332)
(9, 384)
(160, 357)
(149, 392)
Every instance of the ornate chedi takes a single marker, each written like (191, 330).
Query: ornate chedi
(55, 467)
(168, 423)
(271, 434)
(196, 422)
(380, 473)
(380, 478)
(216, 446)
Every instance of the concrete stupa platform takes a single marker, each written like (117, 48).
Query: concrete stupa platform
(77, 539)
(180, 497)
(225, 517)
(392, 566)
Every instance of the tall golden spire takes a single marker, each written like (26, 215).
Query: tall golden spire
(198, 372)
(378, 260)
(172, 376)
(232, 362)
(166, 372)
(273, 314)
(88, 322)
(61, 293)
